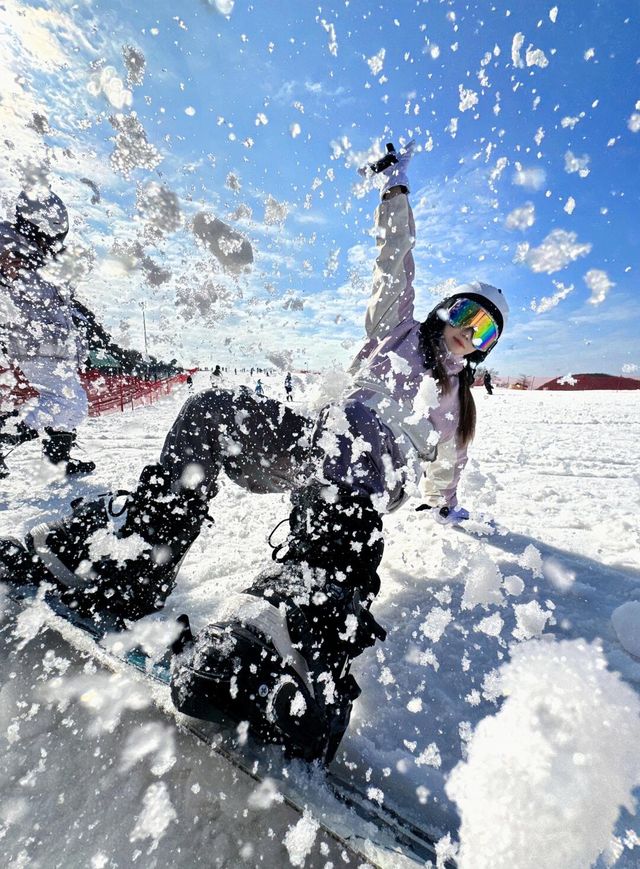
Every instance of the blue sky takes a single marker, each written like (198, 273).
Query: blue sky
(258, 114)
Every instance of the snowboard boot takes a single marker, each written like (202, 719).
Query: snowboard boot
(13, 439)
(105, 559)
(20, 435)
(57, 448)
(280, 658)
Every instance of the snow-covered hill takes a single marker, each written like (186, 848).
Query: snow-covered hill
(108, 780)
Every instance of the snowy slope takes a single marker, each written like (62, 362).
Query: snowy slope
(558, 474)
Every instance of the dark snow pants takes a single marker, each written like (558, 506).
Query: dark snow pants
(259, 443)
(265, 447)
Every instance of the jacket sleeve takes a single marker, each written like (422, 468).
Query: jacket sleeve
(392, 296)
(439, 483)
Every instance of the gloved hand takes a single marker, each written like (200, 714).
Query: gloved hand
(447, 515)
(394, 165)
(451, 515)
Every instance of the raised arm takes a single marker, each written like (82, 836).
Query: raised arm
(392, 295)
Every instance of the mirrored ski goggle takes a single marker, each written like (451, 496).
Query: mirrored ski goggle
(465, 314)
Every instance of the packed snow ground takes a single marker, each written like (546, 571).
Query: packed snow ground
(111, 780)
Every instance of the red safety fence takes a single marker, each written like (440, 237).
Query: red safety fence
(111, 393)
(106, 393)
(15, 389)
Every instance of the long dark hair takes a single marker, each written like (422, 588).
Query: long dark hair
(430, 337)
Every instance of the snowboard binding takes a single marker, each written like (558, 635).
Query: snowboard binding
(280, 656)
(250, 671)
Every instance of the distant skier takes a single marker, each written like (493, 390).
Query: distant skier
(190, 383)
(280, 656)
(488, 385)
(38, 332)
(259, 390)
(288, 386)
(216, 377)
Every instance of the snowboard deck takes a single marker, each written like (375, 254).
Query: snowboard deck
(376, 834)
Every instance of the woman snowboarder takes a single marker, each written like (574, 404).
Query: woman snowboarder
(280, 654)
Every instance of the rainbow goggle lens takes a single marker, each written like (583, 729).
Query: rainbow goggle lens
(465, 314)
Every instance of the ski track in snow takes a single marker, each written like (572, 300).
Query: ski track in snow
(557, 472)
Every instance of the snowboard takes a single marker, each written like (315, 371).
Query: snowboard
(378, 835)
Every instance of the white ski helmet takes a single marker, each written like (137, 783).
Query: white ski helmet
(486, 294)
(48, 215)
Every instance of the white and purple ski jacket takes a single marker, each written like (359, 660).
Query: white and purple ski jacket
(389, 373)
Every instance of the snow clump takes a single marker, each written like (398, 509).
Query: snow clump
(626, 623)
(108, 82)
(300, 839)
(156, 815)
(224, 7)
(531, 620)
(599, 283)
(482, 586)
(376, 62)
(468, 99)
(131, 148)
(232, 250)
(435, 624)
(573, 163)
(558, 760)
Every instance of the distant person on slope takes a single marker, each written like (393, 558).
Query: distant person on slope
(488, 385)
(217, 379)
(288, 387)
(281, 654)
(38, 333)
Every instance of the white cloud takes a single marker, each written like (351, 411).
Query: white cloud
(599, 283)
(576, 164)
(42, 35)
(532, 178)
(555, 252)
(521, 218)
